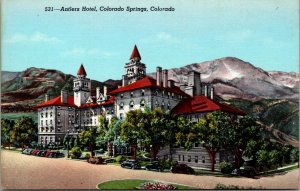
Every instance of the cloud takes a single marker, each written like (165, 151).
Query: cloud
(83, 52)
(161, 37)
(34, 38)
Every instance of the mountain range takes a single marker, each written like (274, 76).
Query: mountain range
(272, 97)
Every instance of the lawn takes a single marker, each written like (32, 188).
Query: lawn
(132, 185)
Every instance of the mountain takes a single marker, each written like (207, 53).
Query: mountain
(30, 86)
(234, 78)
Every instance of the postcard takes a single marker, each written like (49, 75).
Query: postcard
(149, 95)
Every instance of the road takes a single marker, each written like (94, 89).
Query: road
(30, 172)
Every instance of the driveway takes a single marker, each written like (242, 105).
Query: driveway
(30, 172)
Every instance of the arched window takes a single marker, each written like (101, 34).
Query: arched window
(142, 103)
(131, 104)
(121, 105)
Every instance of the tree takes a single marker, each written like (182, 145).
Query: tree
(152, 128)
(210, 130)
(88, 137)
(24, 131)
(7, 131)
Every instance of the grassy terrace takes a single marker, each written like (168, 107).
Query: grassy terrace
(133, 185)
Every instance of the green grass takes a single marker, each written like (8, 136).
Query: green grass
(15, 116)
(132, 185)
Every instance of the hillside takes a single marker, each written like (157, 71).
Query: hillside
(30, 86)
(234, 78)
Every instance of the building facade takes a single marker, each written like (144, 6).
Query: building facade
(74, 111)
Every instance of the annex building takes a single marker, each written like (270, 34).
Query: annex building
(71, 112)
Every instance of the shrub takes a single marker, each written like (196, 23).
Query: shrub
(76, 152)
(295, 155)
(226, 167)
(167, 163)
(157, 186)
(87, 155)
(96, 160)
(120, 159)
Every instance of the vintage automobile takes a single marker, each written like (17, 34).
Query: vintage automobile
(131, 164)
(154, 166)
(182, 168)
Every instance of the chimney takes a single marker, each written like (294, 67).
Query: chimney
(158, 76)
(46, 97)
(171, 83)
(205, 90)
(64, 96)
(97, 93)
(165, 78)
(104, 91)
(212, 93)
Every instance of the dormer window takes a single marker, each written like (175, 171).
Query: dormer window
(131, 104)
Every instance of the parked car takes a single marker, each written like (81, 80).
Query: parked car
(247, 171)
(48, 153)
(111, 160)
(131, 164)
(182, 168)
(154, 166)
(35, 152)
(27, 151)
(41, 153)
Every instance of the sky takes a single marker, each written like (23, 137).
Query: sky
(262, 32)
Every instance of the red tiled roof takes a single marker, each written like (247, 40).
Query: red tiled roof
(135, 53)
(108, 102)
(57, 102)
(199, 104)
(81, 71)
(147, 82)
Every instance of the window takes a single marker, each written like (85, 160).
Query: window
(50, 114)
(156, 103)
(50, 122)
(172, 95)
(168, 106)
(156, 93)
(196, 144)
(46, 114)
(121, 105)
(42, 115)
(196, 159)
(142, 92)
(163, 105)
(46, 122)
(189, 158)
(179, 157)
(122, 95)
(142, 103)
(58, 129)
(41, 122)
(131, 94)
(168, 94)
(131, 104)
(182, 157)
(163, 93)
(203, 159)
(58, 114)
(121, 115)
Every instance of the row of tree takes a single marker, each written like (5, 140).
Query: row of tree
(19, 133)
(244, 137)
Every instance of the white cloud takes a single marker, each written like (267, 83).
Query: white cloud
(34, 38)
(82, 52)
(161, 37)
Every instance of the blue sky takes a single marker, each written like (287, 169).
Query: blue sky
(262, 32)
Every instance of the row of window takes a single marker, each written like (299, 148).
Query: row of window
(189, 158)
(46, 114)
